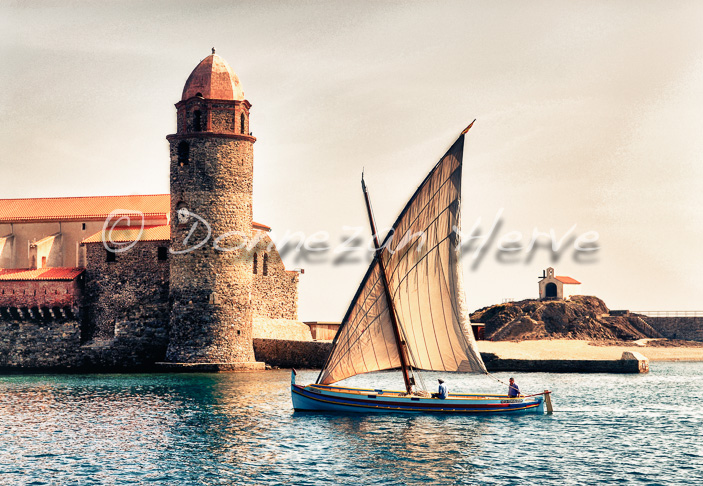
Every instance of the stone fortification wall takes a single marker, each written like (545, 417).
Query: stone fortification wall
(686, 328)
(275, 290)
(137, 345)
(629, 363)
(123, 316)
(124, 322)
(39, 344)
(46, 345)
(323, 331)
(41, 293)
(292, 354)
(133, 288)
(287, 329)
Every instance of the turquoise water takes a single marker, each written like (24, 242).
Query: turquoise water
(240, 429)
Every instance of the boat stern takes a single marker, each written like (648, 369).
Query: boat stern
(540, 407)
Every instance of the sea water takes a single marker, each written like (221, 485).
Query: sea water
(240, 429)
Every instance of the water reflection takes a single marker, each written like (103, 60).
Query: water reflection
(390, 447)
(223, 417)
(240, 429)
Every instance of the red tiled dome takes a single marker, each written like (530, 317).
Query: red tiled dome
(214, 79)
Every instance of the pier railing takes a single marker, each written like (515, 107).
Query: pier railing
(685, 313)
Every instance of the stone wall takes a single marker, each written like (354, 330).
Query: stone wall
(123, 316)
(629, 363)
(41, 293)
(323, 331)
(133, 288)
(35, 344)
(275, 290)
(137, 345)
(292, 354)
(223, 120)
(287, 329)
(124, 324)
(686, 328)
(55, 345)
(227, 118)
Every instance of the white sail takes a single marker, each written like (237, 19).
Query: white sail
(422, 262)
(365, 341)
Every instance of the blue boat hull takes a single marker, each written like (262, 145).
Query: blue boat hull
(360, 400)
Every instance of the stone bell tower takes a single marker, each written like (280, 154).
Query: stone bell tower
(211, 221)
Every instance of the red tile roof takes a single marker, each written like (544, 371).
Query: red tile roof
(56, 273)
(123, 234)
(86, 208)
(259, 226)
(81, 208)
(213, 79)
(568, 280)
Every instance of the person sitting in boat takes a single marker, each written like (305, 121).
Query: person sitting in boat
(443, 392)
(513, 389)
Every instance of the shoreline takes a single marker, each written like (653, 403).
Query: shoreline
(572, 349)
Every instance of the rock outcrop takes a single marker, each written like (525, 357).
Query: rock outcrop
(580, 317)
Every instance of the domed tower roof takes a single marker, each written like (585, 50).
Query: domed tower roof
(213, 79)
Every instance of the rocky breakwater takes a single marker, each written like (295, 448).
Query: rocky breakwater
(581, 317)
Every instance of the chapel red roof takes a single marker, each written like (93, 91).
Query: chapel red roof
(54, 273)
(568, 280)
(81, 208)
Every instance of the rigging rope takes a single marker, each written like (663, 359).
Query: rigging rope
(508, 385)
(496, 379)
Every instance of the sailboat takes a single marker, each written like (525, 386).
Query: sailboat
(410, 313)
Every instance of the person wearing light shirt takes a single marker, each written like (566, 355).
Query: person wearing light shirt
(443, 392)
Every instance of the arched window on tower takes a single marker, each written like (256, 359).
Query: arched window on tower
(197, 121)
(266, 264)
(242, 124)
(183, 153)
(256, 263)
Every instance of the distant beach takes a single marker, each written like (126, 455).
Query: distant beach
(578, 349)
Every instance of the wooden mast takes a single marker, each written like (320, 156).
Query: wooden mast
(402, 347)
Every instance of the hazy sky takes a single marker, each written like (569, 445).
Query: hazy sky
(589, 114)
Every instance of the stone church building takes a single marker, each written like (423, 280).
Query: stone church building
(553, 287)
(175, 280)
